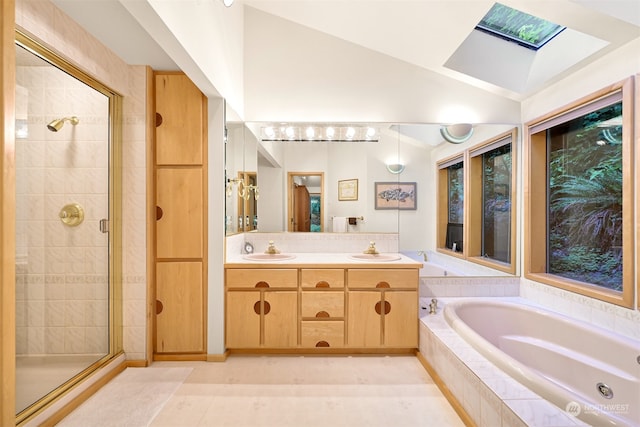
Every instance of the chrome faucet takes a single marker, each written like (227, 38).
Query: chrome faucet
(424, 255)
(433, 306)
(371, 249)
(271, 249)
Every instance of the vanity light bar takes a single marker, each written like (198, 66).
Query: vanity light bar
(315, 133)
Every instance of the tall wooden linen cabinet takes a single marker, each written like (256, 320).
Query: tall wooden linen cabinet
(180, 253)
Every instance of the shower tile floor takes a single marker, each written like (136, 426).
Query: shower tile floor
(271, 391)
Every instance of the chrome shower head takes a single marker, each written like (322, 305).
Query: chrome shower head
(56, 125)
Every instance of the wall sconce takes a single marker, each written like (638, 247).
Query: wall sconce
(457, 133)
(395, 168)
(244, 190)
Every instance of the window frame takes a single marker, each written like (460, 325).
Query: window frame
(535, 194)
(443, 203)
(475, 203)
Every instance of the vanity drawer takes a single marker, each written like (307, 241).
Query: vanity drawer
(322, 333)
(322, 278)
(323, 304)
(262, 278)
(383, 278)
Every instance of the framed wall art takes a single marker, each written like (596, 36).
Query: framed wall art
(348, 189)
(396, 195)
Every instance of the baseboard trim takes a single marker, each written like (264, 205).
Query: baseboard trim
(218, 357)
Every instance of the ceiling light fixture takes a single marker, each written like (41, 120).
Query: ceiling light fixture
(457, 133)
(227, 3)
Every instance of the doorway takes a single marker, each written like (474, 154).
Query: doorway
(305, 197)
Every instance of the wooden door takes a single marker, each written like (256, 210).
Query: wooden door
(179, 310)
(364, 323)
(280, 319)
(401, 322)
(302, 209)
(243, 319)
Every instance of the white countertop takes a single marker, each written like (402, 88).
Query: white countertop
(306, 259)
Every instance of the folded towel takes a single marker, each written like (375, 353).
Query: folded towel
(339, 224)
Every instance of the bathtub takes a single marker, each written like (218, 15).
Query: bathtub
(591, 373)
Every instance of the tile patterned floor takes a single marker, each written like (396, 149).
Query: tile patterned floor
(271, 391)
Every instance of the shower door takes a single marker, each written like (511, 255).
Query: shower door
(63, 290)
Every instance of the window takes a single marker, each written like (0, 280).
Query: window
(519, 27)
(579, 210)
(491, 194)
(451, 204)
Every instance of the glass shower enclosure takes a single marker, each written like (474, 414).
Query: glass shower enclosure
(64, 189)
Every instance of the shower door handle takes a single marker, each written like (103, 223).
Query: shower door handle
(104, 225)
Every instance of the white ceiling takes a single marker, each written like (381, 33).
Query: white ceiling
(431, 34)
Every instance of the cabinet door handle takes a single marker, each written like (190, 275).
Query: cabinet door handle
(159, 213)
(158, 119)
(159, 307)
(387, 307)
(323, 284)
(267, 307)
(322, 314)
(383, 285)
(322, 344)
(256, 307)
(262, 285)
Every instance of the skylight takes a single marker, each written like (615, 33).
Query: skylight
(519, 27)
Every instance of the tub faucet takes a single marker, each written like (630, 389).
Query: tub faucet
(271, 249)
(424, 255)
(371, 249)
(433, 306)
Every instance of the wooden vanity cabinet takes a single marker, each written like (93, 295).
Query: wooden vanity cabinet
(261, 308)
(321, 308)
(382, 308)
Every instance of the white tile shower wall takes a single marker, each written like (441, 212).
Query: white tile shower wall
(53, 28)
(58, 262)
(461, 286)
(609, 316)
(323, 242)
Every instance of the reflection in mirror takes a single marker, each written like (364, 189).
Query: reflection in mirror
(416, 147)
(305, 195)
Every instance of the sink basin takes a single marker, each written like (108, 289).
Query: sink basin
(375, 257)
(268, 257)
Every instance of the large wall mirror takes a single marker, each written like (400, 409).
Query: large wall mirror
(354, 177)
